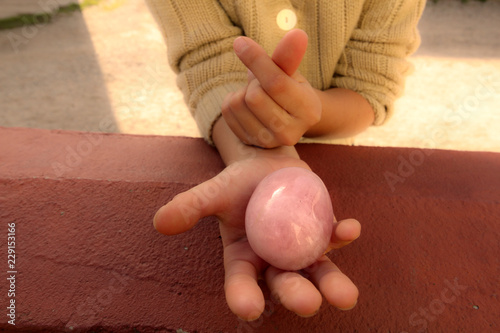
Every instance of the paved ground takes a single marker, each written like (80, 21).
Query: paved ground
(105, 69)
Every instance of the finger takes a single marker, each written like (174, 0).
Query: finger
(337, 288)
(295, 292)
(273, 79)
(290, 51)
(250, 76)
(236, 128)
(244, 123)
(344, 233)
(234, 115)
(187, 208)
(270, 115)
(243, 294)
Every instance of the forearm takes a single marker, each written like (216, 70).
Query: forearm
(232, 150)
(345, 113)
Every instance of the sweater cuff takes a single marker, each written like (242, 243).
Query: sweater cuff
(208, 108)
(382, 113)
(381, 100)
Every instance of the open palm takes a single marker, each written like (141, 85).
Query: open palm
(226, 196)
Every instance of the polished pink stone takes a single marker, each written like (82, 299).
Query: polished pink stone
(289, 218)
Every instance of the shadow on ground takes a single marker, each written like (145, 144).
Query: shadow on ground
(52, 78)
(105, 69)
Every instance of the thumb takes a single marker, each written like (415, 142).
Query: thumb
(344, 233)
(187, 208)
(287, 55)
(290, 51)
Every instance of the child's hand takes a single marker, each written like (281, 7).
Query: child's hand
(278, 105)
(226, 196)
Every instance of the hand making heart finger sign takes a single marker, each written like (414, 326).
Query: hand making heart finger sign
(278, 105)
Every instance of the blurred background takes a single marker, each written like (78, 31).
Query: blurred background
(101, 65)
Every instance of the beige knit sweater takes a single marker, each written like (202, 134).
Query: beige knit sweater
(355, 44)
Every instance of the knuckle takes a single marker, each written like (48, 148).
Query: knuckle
(277, 84)
(254, 97)
(266, 139)
(245, 140)
(235, 101)
(276, 125)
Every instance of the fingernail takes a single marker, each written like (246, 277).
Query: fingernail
(350, 308)
(250, 318)
(308, 315)
(154, 218)
(240, 45)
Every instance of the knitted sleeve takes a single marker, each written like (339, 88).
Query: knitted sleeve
(199, 37)
(373, 62)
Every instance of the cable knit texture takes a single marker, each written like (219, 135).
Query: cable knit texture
(353, 44)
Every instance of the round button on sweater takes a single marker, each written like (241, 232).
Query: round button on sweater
(286, 19)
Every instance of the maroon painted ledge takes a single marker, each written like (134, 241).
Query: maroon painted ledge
(88, 259)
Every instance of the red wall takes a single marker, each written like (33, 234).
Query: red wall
(88, 258)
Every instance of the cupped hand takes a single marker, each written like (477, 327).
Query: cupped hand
(226, 196)
(278, 105)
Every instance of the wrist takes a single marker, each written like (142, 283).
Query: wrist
(232, 150)
(345, 113)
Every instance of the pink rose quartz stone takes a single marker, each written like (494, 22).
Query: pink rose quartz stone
(289, 218)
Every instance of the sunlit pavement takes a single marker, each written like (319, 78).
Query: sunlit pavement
(105, 69)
